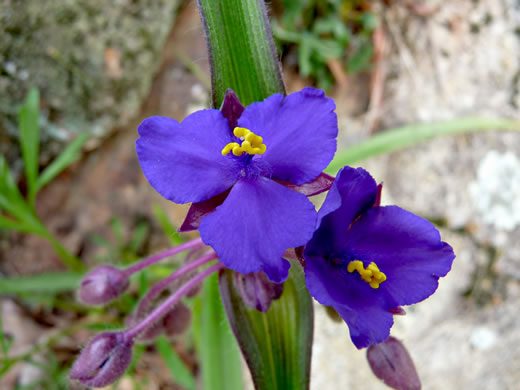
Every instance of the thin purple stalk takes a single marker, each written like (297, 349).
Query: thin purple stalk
(160, 286)
(159, 256)
(168, 303)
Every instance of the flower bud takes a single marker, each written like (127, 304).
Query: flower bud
(102, 284)
(177, 320)
(256, 290)
(391, 362)
(104, 359)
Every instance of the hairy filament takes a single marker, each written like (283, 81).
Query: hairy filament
(162, 255)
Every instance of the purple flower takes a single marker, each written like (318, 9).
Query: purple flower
(366, 261)
(279, 142)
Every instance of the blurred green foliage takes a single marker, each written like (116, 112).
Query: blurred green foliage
(18, 212)
(319, 31)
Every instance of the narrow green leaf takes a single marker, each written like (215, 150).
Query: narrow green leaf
(52, 282)
(167, 226)
(277, 345)
(242, 52)
(14, 204)
(28, 119)
(20, 226)
(8, 188)
(401, 137)
(72, 262)
(178, 369)
(66, 157)
(220, 359)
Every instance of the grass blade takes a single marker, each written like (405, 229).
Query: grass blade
(166, 225)
(28, 120)
(178, 369)
(20, 226)
(68, 156)
(220, 359)
(51, 282)
(401, 137)
(8, 188)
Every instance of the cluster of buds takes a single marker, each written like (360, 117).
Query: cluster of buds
(106, 357)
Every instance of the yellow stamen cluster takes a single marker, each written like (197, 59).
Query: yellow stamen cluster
(251, 143)
(371, 274)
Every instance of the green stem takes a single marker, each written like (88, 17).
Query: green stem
(241, 49)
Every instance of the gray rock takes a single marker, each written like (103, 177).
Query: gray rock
(462, 60)
(92, 60)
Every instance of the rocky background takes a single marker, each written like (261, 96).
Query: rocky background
(92, 60)
(441, 60)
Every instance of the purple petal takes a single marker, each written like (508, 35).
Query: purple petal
(183, 162)
(254, 226)
(353, 192)
(361, 307)
(406, 248)
(321, 184)
(199, 210)
(367, 324)
(231, 108)
(299, 131)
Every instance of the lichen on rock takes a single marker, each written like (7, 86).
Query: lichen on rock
(93, 61)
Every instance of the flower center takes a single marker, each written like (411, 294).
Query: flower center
(371, 274)
(251, 143)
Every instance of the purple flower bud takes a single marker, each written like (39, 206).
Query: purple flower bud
(103, 360)
(256, 290)
(391, 362)
(177, 320)
(102, 284)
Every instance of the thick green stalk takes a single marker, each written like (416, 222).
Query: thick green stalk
(241, 50)
(276, 345)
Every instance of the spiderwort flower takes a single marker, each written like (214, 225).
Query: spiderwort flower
(282, 140)
(366, 261)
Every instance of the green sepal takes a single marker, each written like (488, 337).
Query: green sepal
(276, 345)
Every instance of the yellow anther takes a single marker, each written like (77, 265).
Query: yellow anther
(237, 151)
(251, 143)
(371, 274)
(229, 147)
(240, 131)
